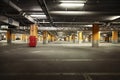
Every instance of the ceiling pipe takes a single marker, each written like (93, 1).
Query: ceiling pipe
(75, 29)
(81, 23)
(10, 3)
(9, 21)
(43, 5)
(13, 5)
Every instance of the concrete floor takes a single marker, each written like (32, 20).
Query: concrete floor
(59, 61)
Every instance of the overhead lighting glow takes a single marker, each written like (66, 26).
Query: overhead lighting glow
(73, 1)
(113, 17)
(29, 18)
(3, 31)
(88, 25)
(71, 5)
(71, 12)
(39, 16)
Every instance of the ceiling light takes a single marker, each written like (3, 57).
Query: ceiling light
(71, 5)
(71, 12)
(113, 17)
(29, 18)
(88, 25)
(71, 1)
(39, 16)
(2, 31)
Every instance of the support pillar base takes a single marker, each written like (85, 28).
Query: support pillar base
(45, 41)
(115, 41)
(9, 41)
(73, 41)
(95, 43)
(80, 41)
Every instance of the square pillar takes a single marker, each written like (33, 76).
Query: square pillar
(26, 38)
(95, 35)
(49, 38)
(90, 38)
(45, 37)
(80, 38)
(22, 37)
(69, 38)
(66, 38)
(73, 37)
(13, 37)
(9, 36)
(114, 37)
(53, 38)
(34, 30)
(41, 38)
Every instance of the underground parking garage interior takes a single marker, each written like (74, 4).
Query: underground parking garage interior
(59, 40)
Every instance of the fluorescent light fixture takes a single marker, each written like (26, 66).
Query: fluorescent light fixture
(88, 25)
(71, 12)
(113, 17)
(45, 22)
(47, 28)
(71, 5)
(29, 18)
(39, 16)
(4, 27)
(3, 31)
(71, 1)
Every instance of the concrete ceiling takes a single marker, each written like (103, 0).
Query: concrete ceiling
(103, 12)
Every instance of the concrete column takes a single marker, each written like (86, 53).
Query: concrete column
(114, 36)
(80, 38)
(89, 38)
(66, 38)
(70, 38)
(22, 37)
(110, 39)
(107, 39)
(8, 36)
(34, 30)
(49, 38)
(41, 38)
(95, 35)
(53, 38)
(45, 37)
(99, 36)
(26, 38)
(13, 37)
(73, 37)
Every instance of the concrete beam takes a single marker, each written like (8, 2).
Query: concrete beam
(10, 21)
(10, 3)
(76, 29)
